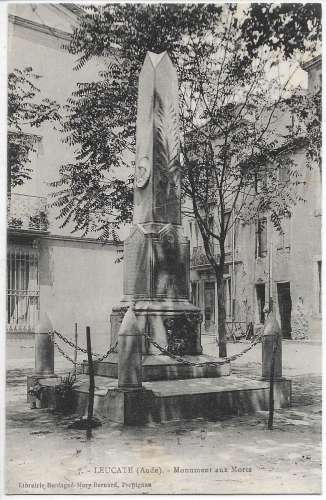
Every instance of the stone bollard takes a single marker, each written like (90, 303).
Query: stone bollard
(272, 334)
(44, 348)
(130, 352)
(44, 360)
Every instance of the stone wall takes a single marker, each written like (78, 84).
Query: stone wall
(79, 282)
(294, 262)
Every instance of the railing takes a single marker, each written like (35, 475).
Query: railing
(199, 258)
(27, 212)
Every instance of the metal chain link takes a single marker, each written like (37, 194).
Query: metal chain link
(69, 342)
(179, 359)
(109, 351)
(62, 352)
(163, 350)
(53, 332)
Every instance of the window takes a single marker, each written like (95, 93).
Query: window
(283, 242)
(285, 308)
(261, 238)
(22, 289)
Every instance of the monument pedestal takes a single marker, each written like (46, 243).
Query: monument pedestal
(173, 324)
(156, 282)
(160, 367)
(163, 401)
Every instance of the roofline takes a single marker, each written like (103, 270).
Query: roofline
(315, 61)
(28, 134)
(83, 240)
(12, 231)
(48, 236)
(74, 8)
(41, 28)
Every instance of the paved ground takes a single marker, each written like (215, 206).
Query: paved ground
(234, 455)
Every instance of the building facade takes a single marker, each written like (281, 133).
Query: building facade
(262, 263)
(73, 279)
(76, 280)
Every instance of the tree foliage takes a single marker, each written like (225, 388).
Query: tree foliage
(241, 128)
(234, 139)
(290, 28)
(25, 111)
(93, 192)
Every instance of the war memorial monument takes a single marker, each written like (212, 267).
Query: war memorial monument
(156, 370)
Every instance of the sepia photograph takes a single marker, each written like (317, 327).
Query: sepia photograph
(163, 297)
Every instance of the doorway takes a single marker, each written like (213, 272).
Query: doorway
(260, 294)
(285, 307)
(195, 293)
(209, 303)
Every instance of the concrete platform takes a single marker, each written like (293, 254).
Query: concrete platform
(160, 367)
(162, 401)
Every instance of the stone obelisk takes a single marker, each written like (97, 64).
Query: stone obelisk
(156, 253)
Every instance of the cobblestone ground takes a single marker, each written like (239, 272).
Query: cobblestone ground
(233, 455)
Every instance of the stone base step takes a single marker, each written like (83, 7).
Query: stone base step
(160, 367)
(161, 401)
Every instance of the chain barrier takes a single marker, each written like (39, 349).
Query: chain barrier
(179, 359)
(61, 351)
(67, 341)
(108, 352)
(163, 350)
(72, 344)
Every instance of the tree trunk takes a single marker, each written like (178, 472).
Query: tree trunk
(218, 268)
(221, 317)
